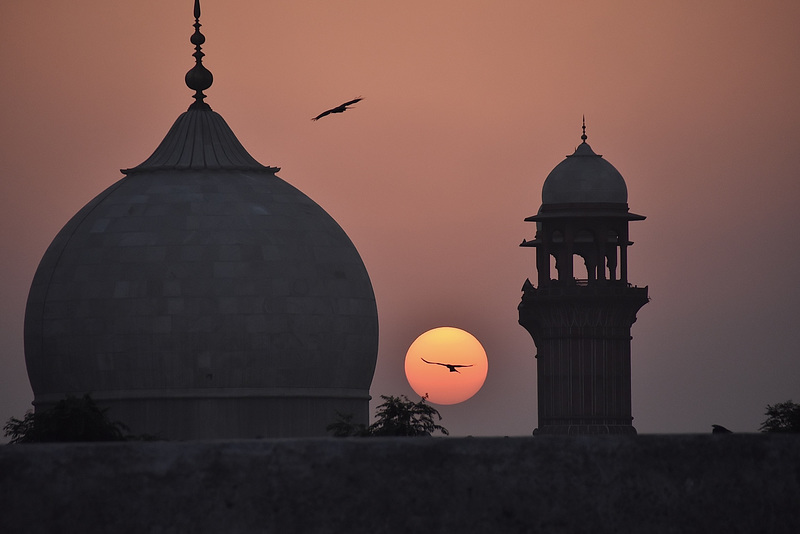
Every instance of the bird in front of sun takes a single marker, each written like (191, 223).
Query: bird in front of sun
(338, 109)
(449, 348)
(452, 366)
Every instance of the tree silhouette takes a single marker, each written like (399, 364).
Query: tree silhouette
(397, 416)
(72, 419)
(400, 417)
(783, 417)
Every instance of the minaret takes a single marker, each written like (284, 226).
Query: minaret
(580, 316)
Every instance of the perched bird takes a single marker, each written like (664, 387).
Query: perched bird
(451, 366)
(718, 429)
(338, 109)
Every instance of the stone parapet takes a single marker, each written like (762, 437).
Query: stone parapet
(655, 484)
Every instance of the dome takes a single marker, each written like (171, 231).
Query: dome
(584, 177)
(202, 296)
(201, 274)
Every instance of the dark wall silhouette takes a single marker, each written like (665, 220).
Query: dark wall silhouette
(655, 484)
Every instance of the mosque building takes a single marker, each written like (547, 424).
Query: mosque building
(581, 325)
(203, 297)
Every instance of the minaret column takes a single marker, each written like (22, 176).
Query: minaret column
(582, 331)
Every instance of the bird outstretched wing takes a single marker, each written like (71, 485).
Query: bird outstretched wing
(354, 101)
(324, 113)
(338, 109)
(448, 365)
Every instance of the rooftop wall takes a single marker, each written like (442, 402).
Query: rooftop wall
(653, 484)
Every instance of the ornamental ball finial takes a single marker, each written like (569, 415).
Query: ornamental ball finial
(198, 78)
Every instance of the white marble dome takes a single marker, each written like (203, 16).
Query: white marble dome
(201, 296)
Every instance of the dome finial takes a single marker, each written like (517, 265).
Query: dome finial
(583, 136)
(198, 78)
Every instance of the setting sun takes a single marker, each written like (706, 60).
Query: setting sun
(447, 364)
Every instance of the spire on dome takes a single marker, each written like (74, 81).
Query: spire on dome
(198, 78)
(584, 149)
(583, 136)
(200, 141)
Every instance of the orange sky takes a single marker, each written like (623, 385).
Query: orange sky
(468, 106)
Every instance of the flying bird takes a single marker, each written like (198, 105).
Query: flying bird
(338, 109)
(451, 366)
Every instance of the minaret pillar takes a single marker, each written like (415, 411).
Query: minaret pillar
(582, 327)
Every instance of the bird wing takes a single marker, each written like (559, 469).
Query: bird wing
(445, 364)
(354, 101)
(328, 112)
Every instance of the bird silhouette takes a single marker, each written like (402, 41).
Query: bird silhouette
(451, 366)
(338, 109)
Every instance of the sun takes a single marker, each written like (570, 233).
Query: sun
(447, 364)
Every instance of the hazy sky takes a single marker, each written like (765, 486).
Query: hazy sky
(468, 105)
